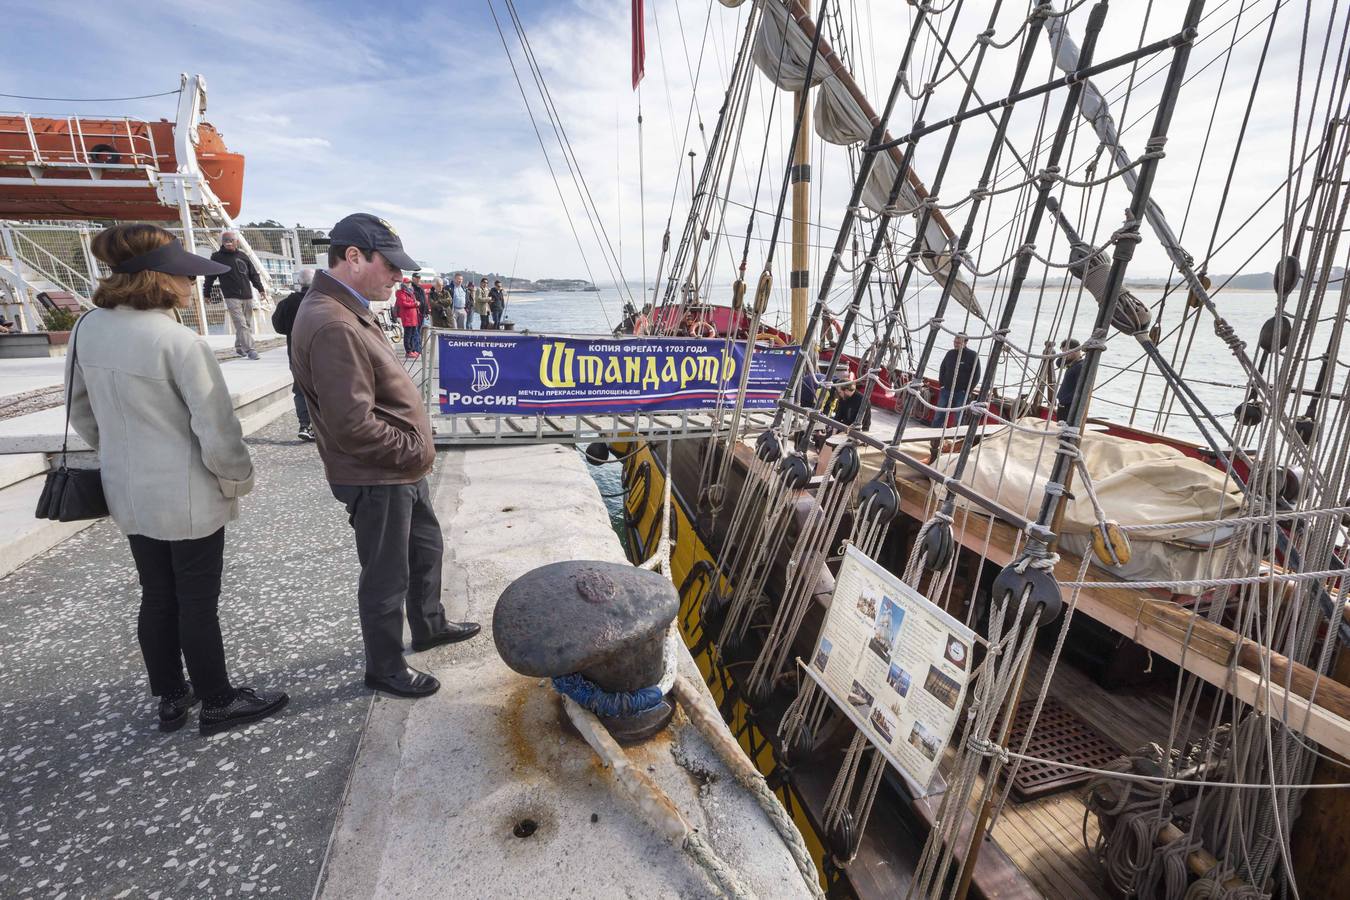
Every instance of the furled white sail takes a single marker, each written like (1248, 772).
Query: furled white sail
(781, 52)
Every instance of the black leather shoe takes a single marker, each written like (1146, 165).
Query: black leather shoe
(453, 634)
(248, 705)
(173, 711)
(408, 683)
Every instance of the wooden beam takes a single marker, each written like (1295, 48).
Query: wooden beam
(1214, 653)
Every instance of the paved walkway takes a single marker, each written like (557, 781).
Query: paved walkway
(94, 800)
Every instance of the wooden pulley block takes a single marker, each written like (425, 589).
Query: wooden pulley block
(767, 447)
(762, 292)
(1249, 413)
(846, 464)
(1275, 333)
(798, 748)
(1194, 300)
(760, 691)
(880, 498)
(796, 471)
(938, 546)
(1287, 275)
(713, 612)
(844, 838)
(1110, 545)
(1043, 588)
(738, 295)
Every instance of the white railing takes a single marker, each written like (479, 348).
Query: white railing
(53, 269)
(138, 151)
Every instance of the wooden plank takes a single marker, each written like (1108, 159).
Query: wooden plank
(1195, 644)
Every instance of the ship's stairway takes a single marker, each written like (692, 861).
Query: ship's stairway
(29, 273)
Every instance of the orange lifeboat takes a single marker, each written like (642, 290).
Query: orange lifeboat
(103, 168)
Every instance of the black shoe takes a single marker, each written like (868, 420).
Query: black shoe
(306, 433)
(408, 683)
(453, 634)
(248, 705)
(173, 711)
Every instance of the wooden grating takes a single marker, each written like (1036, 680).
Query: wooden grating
(1062, 736)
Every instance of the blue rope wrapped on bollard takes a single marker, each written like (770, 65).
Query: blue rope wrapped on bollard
(613, 705)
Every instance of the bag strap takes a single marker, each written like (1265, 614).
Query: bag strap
(70, 384)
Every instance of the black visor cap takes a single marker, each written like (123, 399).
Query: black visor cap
(171, 259)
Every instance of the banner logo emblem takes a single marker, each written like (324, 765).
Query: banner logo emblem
(485, 372)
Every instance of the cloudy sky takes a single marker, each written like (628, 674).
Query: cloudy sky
(411, 110)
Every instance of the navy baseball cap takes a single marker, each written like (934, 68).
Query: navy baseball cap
(367, 232)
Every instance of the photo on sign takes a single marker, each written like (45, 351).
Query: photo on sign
(884, 726)
(923, 739)
(823, 654)
(943, 687)
(957, 651)
(899, 679)
(860, 697)
(886, 632)
(867, 604)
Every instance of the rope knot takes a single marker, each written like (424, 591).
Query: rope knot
(986, 747)
(985, 37)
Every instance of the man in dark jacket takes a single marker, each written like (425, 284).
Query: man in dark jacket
(957, 377)
(374, 437)
(497, 296)
(237, 286)
(1073, 363)
(283, 320)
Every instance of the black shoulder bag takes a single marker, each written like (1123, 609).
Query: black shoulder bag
(71, 494)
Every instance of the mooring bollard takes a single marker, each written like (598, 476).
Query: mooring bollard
(602, 632)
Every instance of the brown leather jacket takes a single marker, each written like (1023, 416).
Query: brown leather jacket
(370, 422)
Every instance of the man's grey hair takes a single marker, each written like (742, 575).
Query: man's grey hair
(304, 277)
(229, 236)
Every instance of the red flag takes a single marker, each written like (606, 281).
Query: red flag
(639, 44)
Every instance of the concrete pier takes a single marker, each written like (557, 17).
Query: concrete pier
(343, 795)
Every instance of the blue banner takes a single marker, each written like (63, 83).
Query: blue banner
(523, 374)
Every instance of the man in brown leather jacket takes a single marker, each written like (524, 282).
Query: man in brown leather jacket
(374, 437)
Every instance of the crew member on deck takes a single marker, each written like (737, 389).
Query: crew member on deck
(959, 372)
(1073, 363)
(374, 437)
(846, 405)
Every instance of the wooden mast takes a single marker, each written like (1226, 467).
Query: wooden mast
(801, 217)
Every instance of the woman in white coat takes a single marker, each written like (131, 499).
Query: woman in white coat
(147, 394)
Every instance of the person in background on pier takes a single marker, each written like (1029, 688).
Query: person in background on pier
(439, 301)
(497, 303)
(1073, 364)
(460, 305)
(423, 308)
(957, 376)
(6, 326)
(236, 285)
(374, 438)
(283, 320)
(147, 394)
(482, 304)
(410, 317)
